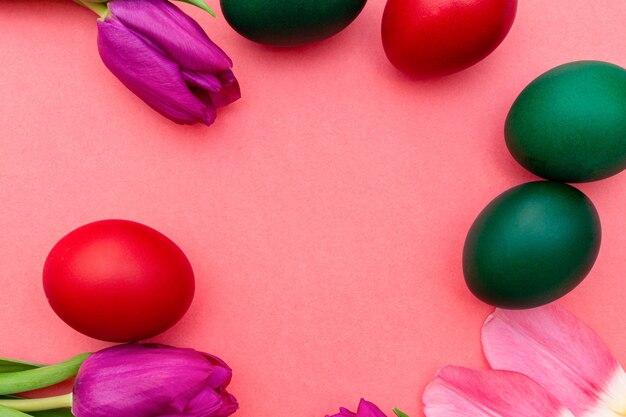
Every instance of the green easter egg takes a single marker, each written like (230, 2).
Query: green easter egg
(531, 245)
(569, 124)
(290, 22)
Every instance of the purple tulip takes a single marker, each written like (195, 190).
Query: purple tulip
(366, 409)
(164, 57)
(150, 380)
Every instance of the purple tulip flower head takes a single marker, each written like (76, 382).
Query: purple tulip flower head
(150, 380)
(366, 409)
(164, 57)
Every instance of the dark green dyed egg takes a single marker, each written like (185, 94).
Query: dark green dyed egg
(570, 123)
(290, 22)
(531, 245)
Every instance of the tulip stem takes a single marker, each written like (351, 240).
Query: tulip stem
(100, 9)
(9, 412)
(31, 379)
(38, 404)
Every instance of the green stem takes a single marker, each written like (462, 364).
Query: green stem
(13, 365)
(38, 404)
(8, 412)
(100, 9)
(12, 382)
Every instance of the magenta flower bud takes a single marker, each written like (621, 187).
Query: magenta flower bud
(150, 380)
(366, 409)
(164, 57)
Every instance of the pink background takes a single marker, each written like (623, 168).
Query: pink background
(324, 213)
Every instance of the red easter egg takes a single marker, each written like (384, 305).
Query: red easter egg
(431, 38)
(118, 281)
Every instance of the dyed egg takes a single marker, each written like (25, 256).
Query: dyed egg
(531, 245)
(118, 280)
(570, 123)
(432, 38)
(290, 22)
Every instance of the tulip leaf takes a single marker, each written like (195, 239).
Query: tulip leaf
(399, 413)
(12, 365)
(201, 4)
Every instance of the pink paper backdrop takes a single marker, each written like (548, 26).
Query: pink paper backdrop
(324, 213)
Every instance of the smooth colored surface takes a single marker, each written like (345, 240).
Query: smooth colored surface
(324, 213)
(531, 245)
(290, 22)
(118, 281)
(569, 124)
(432, 38)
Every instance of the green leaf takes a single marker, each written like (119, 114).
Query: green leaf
(31, 379)
(60, 412)
(399, 413)
(12, 365)
(201, 4)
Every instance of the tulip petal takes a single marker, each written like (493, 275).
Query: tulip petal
(178, 36)
(462, 392)
(561, 353)
(204, 80)
(222, 88)
(368, 409)
(365, 409)
(150, 75)
(229, 405)
(343, 412)
(220, 374)
(204, 404)
(230, 89)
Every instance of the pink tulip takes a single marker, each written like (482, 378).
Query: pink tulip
(546, 363)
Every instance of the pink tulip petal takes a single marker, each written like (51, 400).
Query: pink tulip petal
(463, 392)
(561, 353)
